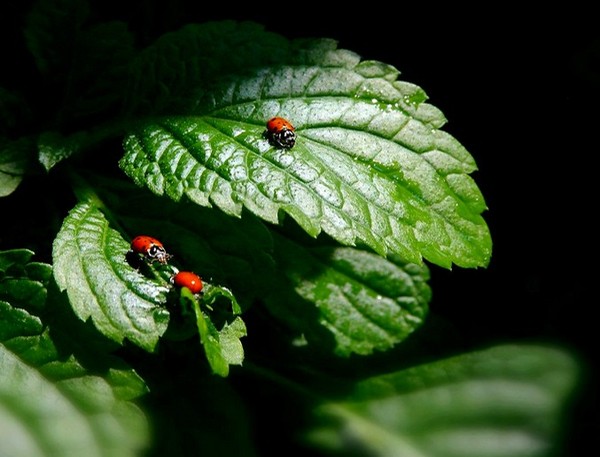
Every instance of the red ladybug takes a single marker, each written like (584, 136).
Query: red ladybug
(188, 279)
(280, 133)
(150, 248)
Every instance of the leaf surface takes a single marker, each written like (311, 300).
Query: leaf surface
(370, 166)
(90, 264)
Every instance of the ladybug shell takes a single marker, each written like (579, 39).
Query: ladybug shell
(280, 133)
(188, 279)
(150, 247)
(278, 124)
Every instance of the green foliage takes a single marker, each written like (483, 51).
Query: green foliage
(313, 258)
(90, 264)
(57, 395)
(368, 166)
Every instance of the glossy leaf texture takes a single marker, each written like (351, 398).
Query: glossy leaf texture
(370, 165)
(348, 300)
(505, 401)
(61, 391)
(90, 264)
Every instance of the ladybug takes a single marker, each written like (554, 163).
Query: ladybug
(280, 133)
(188, 279)
(150, 248)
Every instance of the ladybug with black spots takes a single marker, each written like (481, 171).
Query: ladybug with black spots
(150, 248)
(188, 279)
(280, 133)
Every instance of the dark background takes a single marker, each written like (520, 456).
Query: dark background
(521, 91)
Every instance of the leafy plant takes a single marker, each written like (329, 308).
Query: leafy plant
(315, 259)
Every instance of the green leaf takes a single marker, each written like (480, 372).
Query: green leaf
(23, 282)
(52, 399)
(222, 347)
(505, 401)
(370, 165)
(212, 293)
(231, 346)
(357, 299)
(14, 259)
(16, 159)
(54, 148)
(90, 264)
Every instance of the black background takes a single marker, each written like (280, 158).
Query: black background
(521, 91)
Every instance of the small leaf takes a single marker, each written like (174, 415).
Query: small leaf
(90, 264)
(370, 165)
(54, 148)
(23, 282)
(222, 347)
(212, 293)
(360, 300)
(231, 346)
(14, 259)
(504, 401)
(16, 159)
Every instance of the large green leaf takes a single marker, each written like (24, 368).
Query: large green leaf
(370, 165)
(59, 395)
(90, 264)
(506, 401)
